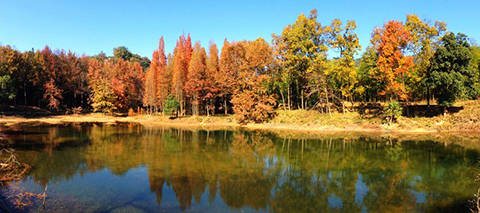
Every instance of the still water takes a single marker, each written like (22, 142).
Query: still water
(138, 169)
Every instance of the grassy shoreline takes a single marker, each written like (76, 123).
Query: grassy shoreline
(466, 121)
(300, 129)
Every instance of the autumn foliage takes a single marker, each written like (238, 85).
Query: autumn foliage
(181, 60)
(195, 86)
(251, 99)
(309, 65)
(393, 66)
(157, 80)
(116, 84)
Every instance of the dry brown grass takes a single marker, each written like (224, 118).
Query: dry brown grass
(467, 120)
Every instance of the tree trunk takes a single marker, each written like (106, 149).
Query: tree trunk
(181, 107)
(428, 95)
(193, 109)
(212, 107)
(225, 105)
(326, 98)
(351, 103)
(296, 99)
(197, 107)
(283, 100)
(288, 98)
(306, 104)
(24, 93)
(303, 105)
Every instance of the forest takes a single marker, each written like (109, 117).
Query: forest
(309, 66)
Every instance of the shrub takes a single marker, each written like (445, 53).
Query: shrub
(392, 111)
(77, 110)
(250, 106)
(171, 105)
(131, 112)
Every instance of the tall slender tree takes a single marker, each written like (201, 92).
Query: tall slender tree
(149, 97)
(52, 93)
(225, 75)
(346, 42)
(182, 55)
(211, 86)
(151, 84)
(195, 85)
(162, 78)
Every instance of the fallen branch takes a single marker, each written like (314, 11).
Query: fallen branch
(13, 170)
(10, 168)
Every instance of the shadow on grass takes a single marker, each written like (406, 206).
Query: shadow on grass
(26, 111)
(369, 110)
(428, 111)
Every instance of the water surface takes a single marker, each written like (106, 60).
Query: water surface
(137, 169)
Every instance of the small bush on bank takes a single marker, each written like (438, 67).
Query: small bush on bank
(252, 107)
(171, 105)
(131, 112)
(392, 112)
(77, 110)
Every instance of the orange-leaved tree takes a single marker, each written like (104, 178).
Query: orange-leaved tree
(157, 79)
(251, 99)
(116, 84)
(181, 61)
(225, 75)
(212, 88)
(134, 79)
(162, 78)
(394, 67)
(52, 93)
(195, 84)
(149, 97)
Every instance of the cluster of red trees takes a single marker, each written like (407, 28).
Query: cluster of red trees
(204, 83)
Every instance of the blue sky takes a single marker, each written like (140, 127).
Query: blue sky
(88, 27)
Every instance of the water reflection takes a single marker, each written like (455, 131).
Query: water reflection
(130, 168)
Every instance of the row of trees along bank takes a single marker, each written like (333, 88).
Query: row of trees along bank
(307, 66)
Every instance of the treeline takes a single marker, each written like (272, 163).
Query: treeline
(60, 80)
(307, 66)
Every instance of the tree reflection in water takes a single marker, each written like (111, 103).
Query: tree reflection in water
(104, 168)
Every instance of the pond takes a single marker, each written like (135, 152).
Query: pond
(130, 168)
